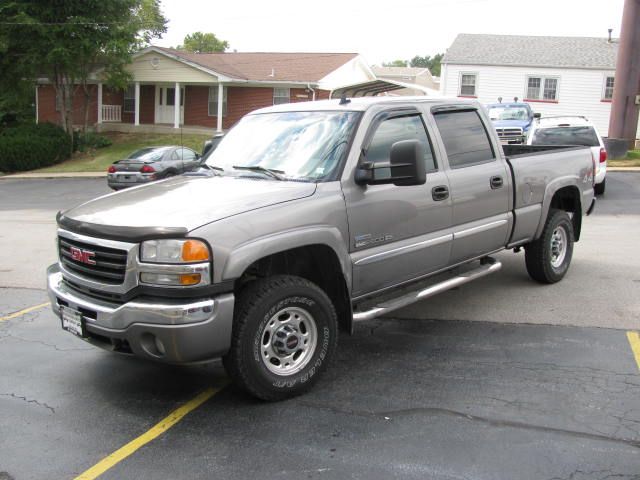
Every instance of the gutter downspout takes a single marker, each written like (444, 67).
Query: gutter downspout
(313, 98)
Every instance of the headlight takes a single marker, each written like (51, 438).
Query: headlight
(174, 251)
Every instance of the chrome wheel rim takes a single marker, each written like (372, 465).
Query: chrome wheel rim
(558, 246)
(288, 341)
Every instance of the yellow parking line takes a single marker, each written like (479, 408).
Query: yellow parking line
(154, 432)
(22, 312)
(634, 341)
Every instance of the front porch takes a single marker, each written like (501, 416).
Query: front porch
(162, 107)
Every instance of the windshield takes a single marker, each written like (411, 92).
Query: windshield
(585, 136)
(508, 113)
(148, 154)
(299, 145)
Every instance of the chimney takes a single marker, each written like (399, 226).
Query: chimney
(610, 30)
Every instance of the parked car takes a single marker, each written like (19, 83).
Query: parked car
(511, 120)
(309, 217)
(572, 130)
(151, 163)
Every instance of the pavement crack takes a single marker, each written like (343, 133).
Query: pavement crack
(28, 400)
(390, 414)
(41, 342)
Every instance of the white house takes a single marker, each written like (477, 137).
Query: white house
(556, 75)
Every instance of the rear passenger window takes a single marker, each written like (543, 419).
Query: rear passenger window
(465, 138)
(394, 130)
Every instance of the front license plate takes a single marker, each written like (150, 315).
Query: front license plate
(72, 321)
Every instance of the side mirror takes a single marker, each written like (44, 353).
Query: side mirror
(207, 146)
(537, 115)
(406, 167)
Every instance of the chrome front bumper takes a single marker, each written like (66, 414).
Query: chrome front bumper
(166, 330)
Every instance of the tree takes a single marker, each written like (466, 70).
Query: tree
(395, 63)
(68, 40)
(432, 63)
(199, 42)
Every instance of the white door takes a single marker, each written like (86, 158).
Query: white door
(165, 104)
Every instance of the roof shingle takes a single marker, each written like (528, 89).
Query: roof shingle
(533, 51)
(277, 67)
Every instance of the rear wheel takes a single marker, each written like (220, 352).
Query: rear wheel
(284, 335)
(599, 187)
(548, 258)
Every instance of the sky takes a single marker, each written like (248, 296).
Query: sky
(399, 29)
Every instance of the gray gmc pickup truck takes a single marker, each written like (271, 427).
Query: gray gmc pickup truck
(307, 218)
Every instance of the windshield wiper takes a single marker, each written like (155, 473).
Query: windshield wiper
(257, 168)
(212, 167)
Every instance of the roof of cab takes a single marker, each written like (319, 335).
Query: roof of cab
(358, 104)
(563, 121)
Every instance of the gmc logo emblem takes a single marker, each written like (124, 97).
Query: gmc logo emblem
(83, 256)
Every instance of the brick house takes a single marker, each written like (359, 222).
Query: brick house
(213, 90)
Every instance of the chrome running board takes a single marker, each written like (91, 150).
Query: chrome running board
(487, 266)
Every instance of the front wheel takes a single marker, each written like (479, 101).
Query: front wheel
(548, 258)
(284, 335)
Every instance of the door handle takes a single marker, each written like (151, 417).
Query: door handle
(496, 182)
(439, 193)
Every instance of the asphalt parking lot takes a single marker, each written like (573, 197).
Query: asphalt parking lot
(500, 379)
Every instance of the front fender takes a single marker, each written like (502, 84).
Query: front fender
(245, 254)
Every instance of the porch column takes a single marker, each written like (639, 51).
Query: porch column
(37, 105)
(137, 107)
(220, 101)
(100, 102)
(176, 109)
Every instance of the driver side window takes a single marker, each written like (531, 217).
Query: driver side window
(396, 129)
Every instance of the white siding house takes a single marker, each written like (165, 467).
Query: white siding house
(556, 75)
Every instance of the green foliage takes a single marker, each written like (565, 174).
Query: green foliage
(200, 42)
(83, 142)
(68, 40)
(432, 63)
(33, 146)
(395, 63)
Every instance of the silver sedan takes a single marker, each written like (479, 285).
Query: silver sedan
(151, 163)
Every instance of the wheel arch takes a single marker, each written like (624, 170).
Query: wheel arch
(565, 196)
(324, 263)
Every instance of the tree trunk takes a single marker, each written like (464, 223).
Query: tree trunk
(85, 106)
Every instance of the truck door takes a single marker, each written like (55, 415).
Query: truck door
(397, 233)
(479, 181)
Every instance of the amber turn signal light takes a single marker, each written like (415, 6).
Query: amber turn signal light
(195, 251)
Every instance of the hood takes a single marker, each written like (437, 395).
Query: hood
(185, 202)
(511, 123)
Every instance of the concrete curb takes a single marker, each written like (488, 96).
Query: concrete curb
(32, 176)
(623, 169)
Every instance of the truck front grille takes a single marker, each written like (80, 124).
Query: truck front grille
(105, 265)
(509, 133)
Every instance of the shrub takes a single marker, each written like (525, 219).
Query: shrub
(90, 140)
(27, 147)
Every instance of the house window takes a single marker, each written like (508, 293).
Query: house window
(542, 88)
(468, 84)
(608, 88)
(213, 102)
(129, 103)
(281, 95)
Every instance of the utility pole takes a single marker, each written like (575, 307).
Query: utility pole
(625, 107)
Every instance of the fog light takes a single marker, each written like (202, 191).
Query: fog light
(159, 346)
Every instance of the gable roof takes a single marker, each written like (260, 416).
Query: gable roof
(533, 51)
(263, 66)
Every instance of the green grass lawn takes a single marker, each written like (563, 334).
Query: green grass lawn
(632, 160)
(123, 144)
